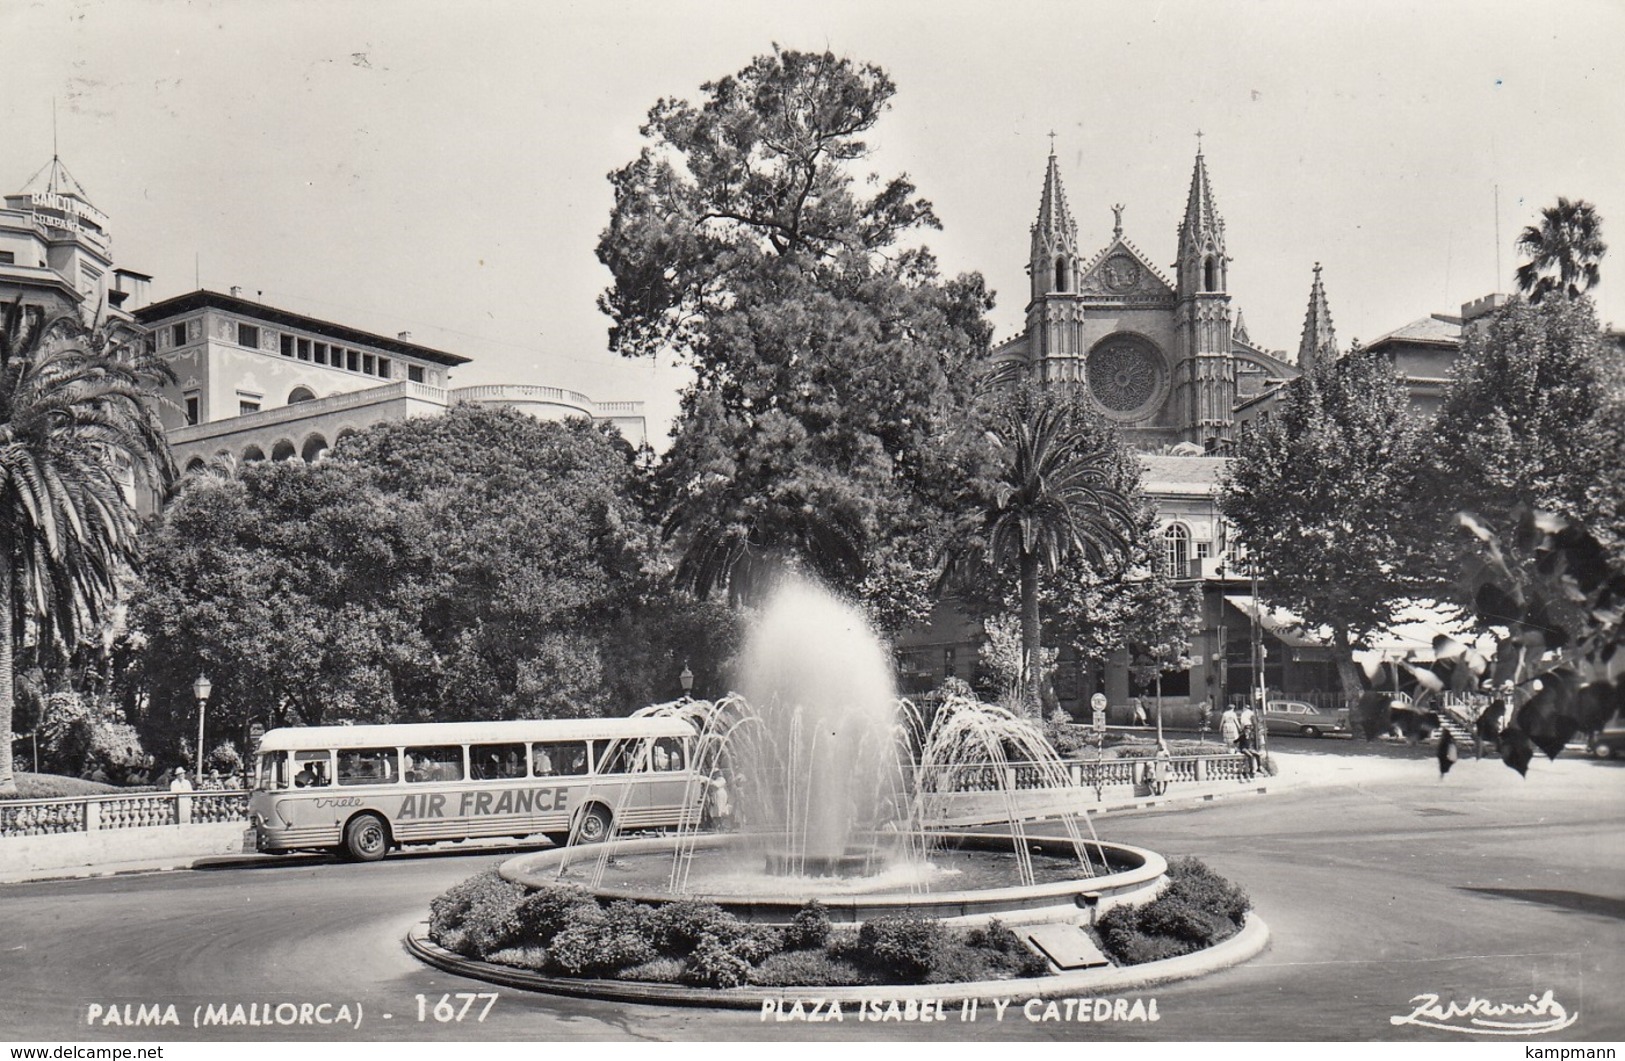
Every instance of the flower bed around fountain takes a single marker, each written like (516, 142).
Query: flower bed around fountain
(562, 930)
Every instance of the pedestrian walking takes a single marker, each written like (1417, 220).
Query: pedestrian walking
(180, 783)
(1139, 711)
(1247, 741)
(1230, 727)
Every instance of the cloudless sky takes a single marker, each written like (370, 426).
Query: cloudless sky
(439, 166)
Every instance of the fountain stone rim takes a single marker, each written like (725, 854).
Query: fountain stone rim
(1132, 884)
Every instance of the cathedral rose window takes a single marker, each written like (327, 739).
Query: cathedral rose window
(1124, 374)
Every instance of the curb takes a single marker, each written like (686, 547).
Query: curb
(1248, 943)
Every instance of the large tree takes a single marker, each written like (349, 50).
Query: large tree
(1520, 423)
(79, 436)
(1565, 251)
(1322, 494)
(831, 363)
(1061, 494)
(473, 565)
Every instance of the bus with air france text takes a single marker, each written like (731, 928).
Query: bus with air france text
(363, 790)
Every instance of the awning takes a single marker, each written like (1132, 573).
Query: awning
(1285, 625)
(1410, 638)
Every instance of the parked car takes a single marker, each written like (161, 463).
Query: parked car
(1294, 718)
(1610, 740)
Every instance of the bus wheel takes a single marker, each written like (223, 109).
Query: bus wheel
(366, 838)
(593, 826)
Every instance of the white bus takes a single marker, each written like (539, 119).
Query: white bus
(363, 790)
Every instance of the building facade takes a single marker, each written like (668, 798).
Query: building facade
(56, 253)
(1165, 359)
(255, 382)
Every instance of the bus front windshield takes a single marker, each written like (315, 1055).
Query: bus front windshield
(273, 773)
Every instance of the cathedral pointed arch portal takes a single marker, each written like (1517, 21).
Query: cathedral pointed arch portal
(1158, 356)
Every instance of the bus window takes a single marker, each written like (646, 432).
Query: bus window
(565, 758)
(667, 754)
(442, 763)
(618, 757)
(273, 771)
(496, 762)
(367, 766)
(312, 769)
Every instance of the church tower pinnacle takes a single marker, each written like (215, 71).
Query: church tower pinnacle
(1055, 309)
(1202, 260)
(1054, 260)
(1205, 370)
(1319, 340)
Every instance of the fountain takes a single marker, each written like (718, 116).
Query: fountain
(837, 783)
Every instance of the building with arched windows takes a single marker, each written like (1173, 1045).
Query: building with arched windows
(254, 382)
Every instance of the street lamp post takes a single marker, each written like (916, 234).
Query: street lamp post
(687, 678)
(201, 689)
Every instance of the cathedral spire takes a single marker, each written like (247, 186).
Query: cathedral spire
(1054, 259)
(1202, 259)
(1319, 340)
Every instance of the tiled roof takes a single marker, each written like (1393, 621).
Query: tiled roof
(1436, 328)
(1192, 475)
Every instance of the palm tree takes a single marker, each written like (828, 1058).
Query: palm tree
(78, 435)
(1564, 251)
(1056, 499)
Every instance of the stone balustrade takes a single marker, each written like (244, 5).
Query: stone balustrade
(134, 810)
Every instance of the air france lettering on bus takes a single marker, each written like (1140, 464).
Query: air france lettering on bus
(365, 789)
(511, 801)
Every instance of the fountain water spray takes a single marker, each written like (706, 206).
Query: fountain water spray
(829, 771)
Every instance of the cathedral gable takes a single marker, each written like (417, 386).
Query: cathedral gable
(1122, 272)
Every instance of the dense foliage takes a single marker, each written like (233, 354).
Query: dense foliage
(482, 564)
(1565, 251)
(77, 420)
(832, 365)
(1060, 508)
(564, 931)
(1197, 909)
(1319, 494)
(1524, 421)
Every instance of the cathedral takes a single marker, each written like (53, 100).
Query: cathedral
(1167, 360)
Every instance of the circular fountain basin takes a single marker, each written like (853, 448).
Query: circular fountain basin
(968, 877)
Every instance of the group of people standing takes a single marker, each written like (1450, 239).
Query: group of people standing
(1239, 728)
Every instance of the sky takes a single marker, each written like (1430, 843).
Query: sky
(439, 166)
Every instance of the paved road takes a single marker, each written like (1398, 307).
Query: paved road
(1384, 885)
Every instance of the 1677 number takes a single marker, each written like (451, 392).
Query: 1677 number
(447, 1011)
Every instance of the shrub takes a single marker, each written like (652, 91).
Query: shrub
(476, 917)
(678, 927)
(543, 914)
(635, 919)
(655, 971)
(1007, 954)
(1127, 945)
(1194, 880)
(1177, 918)
(717, 962)
(576, 951)
(810, 968)
(1197, 909)
(899, 948)
(533, 958)
(809, 929)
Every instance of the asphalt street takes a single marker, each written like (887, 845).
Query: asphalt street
(1380, 884)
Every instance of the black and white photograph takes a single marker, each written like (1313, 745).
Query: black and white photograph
(913, 523)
